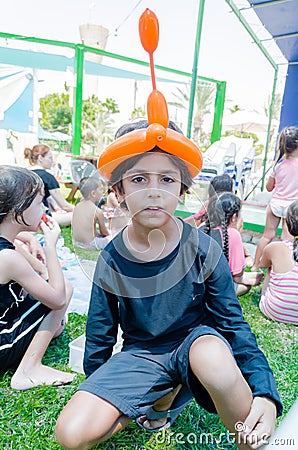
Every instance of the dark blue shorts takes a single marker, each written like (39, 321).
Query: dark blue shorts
(133, 380)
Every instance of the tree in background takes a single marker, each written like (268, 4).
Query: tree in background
(97, 123)
(235, 108)
(56, 114)
(138, 113)
(204, 99)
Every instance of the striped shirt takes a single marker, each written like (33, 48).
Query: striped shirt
(280, 300)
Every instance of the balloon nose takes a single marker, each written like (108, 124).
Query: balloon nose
(155, 133)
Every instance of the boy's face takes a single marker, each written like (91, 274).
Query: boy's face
(151, 190)
(98, 193)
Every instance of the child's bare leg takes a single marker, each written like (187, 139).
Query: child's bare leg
(285, 235)
(214, 366)
(87, 420)
(269, 233)
(31, 372)
(162, 404)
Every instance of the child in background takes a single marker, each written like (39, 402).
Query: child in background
(283, 181)
(218, 184)
(223, 214)
(40, 158)
(88, 223)
(32, 310)
(115, 215)
(169, 287)
(279, 299)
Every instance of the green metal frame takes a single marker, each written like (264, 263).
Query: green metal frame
(259, 43)
(81, 49)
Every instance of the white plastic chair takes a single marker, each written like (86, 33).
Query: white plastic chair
(80, 169)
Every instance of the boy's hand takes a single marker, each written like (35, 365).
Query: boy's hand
(260, 423)
(51, 231)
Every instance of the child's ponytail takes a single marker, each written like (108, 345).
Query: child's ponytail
(295, 249)
(287, 142)
(225, 235)
(292, 223)
(220, 210)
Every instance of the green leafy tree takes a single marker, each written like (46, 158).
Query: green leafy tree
(204, 98)
(97, 124)
(235, 108)
(56, 114)
(137, 112)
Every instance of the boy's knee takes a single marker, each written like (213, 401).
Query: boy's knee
(68, 435)
(210, 360)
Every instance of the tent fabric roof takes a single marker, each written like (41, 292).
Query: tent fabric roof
(49, 61)
(280, 18)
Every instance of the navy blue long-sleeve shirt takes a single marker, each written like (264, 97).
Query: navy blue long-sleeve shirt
(159, 303)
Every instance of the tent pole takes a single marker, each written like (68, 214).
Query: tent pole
(269, 126)
(218, 111)
(195, 66)
(77, 112)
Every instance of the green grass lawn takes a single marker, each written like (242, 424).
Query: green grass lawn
(28, 418)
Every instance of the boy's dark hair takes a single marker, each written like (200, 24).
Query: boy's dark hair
(292, 223)
(219, 212)
(220, 183)
(287, 142)
(18, 189)
(116, 177)
(88, 184)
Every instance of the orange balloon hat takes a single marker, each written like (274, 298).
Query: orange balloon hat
(157, 134)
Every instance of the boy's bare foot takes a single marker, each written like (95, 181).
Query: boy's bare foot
(40, 375)
(152, 424)
(163, 404)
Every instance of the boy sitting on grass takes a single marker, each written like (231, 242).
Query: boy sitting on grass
(88, 223)
(169, 287)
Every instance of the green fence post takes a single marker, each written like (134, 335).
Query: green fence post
(77, 110)
(195, 67)
(219, 105)
(269, 127)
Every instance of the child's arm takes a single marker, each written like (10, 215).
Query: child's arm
(265, 260)
(103, 231)
(260, 421)
(270, 182)
(38, 265)
(17, 268)
(226, 317)
(60, 200)
(102, 321)
(32, 243)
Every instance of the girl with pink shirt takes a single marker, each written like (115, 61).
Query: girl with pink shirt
(283, 181)
(279, 299)
(223, 214)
